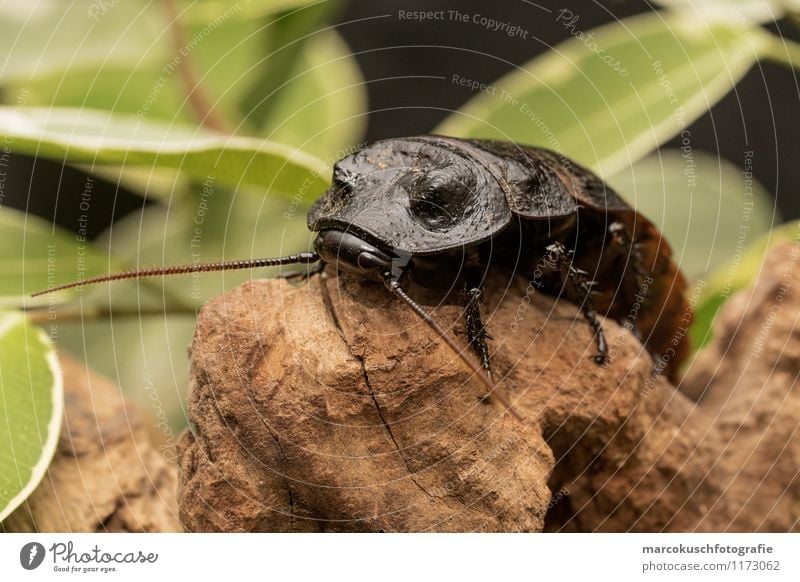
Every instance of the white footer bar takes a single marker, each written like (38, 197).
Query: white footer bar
(387, 557)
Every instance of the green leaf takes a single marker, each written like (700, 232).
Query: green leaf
(609, 99)
(237, 50)
(782, 51)
(36, 255)
(154, 90)
(322, 106)
(200, 13)
(51, 37)
(31, 406)
(226, 60)
(703, 204)
(753, 10)
(281, 42)
(207, 228)
(109, 88)
(741, 272)
(82, 136)
(221, 226)
(227, 51)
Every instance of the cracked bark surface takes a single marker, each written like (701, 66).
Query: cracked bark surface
(330, 407)
(106, 475)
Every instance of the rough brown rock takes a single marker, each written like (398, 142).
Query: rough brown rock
(106, 475)
(329, 407)
(730, 462)
(747, 381)
(306, 420)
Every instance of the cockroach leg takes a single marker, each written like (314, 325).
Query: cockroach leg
(601, 357)
(476, 330)
(581, 286)
(393, 285)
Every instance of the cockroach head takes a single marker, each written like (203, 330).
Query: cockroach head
(420, 196)
(352, 253)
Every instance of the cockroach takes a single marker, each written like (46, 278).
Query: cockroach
(441, 210)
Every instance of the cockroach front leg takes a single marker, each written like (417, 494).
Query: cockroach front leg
(476, 330)
(581, 286)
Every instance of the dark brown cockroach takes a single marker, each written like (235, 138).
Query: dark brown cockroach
(442, 210)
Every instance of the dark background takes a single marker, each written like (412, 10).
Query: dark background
(762, 113)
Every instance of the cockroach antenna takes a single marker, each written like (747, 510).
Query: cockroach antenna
(304, 258)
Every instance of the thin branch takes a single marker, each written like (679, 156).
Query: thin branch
(198, 101)
(45, 315)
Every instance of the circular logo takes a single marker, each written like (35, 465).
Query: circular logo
(31, 555)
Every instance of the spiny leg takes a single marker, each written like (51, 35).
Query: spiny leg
(393, 285)
(473, 297)
(581, 285)
(476, 330)
(601, 357)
